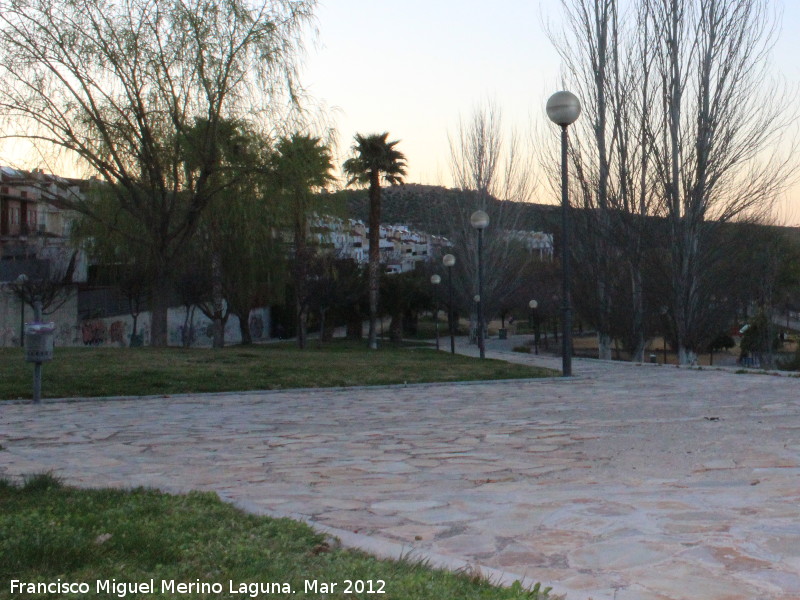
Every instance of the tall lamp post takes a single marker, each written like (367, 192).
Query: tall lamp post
(563, 109)
(479, 221)
(436, 280)
(533, 305)
(449, 261)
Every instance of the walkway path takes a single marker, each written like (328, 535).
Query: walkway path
(625, 482)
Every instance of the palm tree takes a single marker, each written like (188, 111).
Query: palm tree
(302, 166)
(374, 158)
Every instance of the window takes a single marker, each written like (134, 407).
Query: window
(14, 216)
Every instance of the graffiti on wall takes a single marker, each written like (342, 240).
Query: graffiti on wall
(93, 332)
(116, 333)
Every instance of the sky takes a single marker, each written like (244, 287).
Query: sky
(412, 68)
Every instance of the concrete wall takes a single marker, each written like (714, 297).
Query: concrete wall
(116, 331)
(10, 308)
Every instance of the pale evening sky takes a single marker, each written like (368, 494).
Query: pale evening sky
(412, 68)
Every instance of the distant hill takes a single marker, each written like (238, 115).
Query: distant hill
(415, 205)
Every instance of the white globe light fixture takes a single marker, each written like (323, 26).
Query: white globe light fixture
(563, 108)
(479, 220)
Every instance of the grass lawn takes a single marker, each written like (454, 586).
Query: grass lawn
(59, 535)
(78, 372)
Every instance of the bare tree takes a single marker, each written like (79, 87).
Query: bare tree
(720, 118)
(120, 84)
(494, 174)
(46, 292)
(608, 64)
(680, 116)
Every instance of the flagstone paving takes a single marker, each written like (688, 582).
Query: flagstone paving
(624, 482)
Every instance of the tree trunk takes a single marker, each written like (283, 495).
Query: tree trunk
(396, 328)
(355, 327)
(300, 273)
(244, 329)
(186, 335)
(325, 329)
(604, 345)
(637, 354)
(374, 255)
(603, 219)
(302, 333)
(217, 300)
(410, 323)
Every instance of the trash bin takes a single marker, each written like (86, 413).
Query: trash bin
(653, 359)
(39, 341)
(503, 334)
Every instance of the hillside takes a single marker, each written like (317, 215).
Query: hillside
(416, 205)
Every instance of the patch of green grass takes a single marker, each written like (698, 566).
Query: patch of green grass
(92, 372)
(426, 330)
(60, 533)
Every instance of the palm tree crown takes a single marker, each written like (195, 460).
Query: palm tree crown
(302, 163)
(374, 155)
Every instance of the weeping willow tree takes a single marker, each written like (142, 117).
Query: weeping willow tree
(120, 84)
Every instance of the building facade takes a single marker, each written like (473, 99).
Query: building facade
(401, 248)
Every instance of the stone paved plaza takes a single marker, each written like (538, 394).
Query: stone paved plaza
(625, 482)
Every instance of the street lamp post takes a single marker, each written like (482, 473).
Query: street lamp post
(21, 281)
(436, 280)
(533, 304)
(563, 108)
(479, 221)
(449, 261)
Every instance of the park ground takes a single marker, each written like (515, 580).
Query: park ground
(625, 482)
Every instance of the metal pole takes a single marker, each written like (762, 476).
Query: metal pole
(37, 382)
(436, 316)
(566, 324)
(37, 366)
(536, 333)
(22, 323)
(450, 310)
(480, 295)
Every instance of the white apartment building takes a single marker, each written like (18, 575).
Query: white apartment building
(401, 248)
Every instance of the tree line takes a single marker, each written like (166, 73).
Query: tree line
(681, 128)
(192, 119)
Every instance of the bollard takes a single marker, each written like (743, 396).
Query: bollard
(38, 349)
